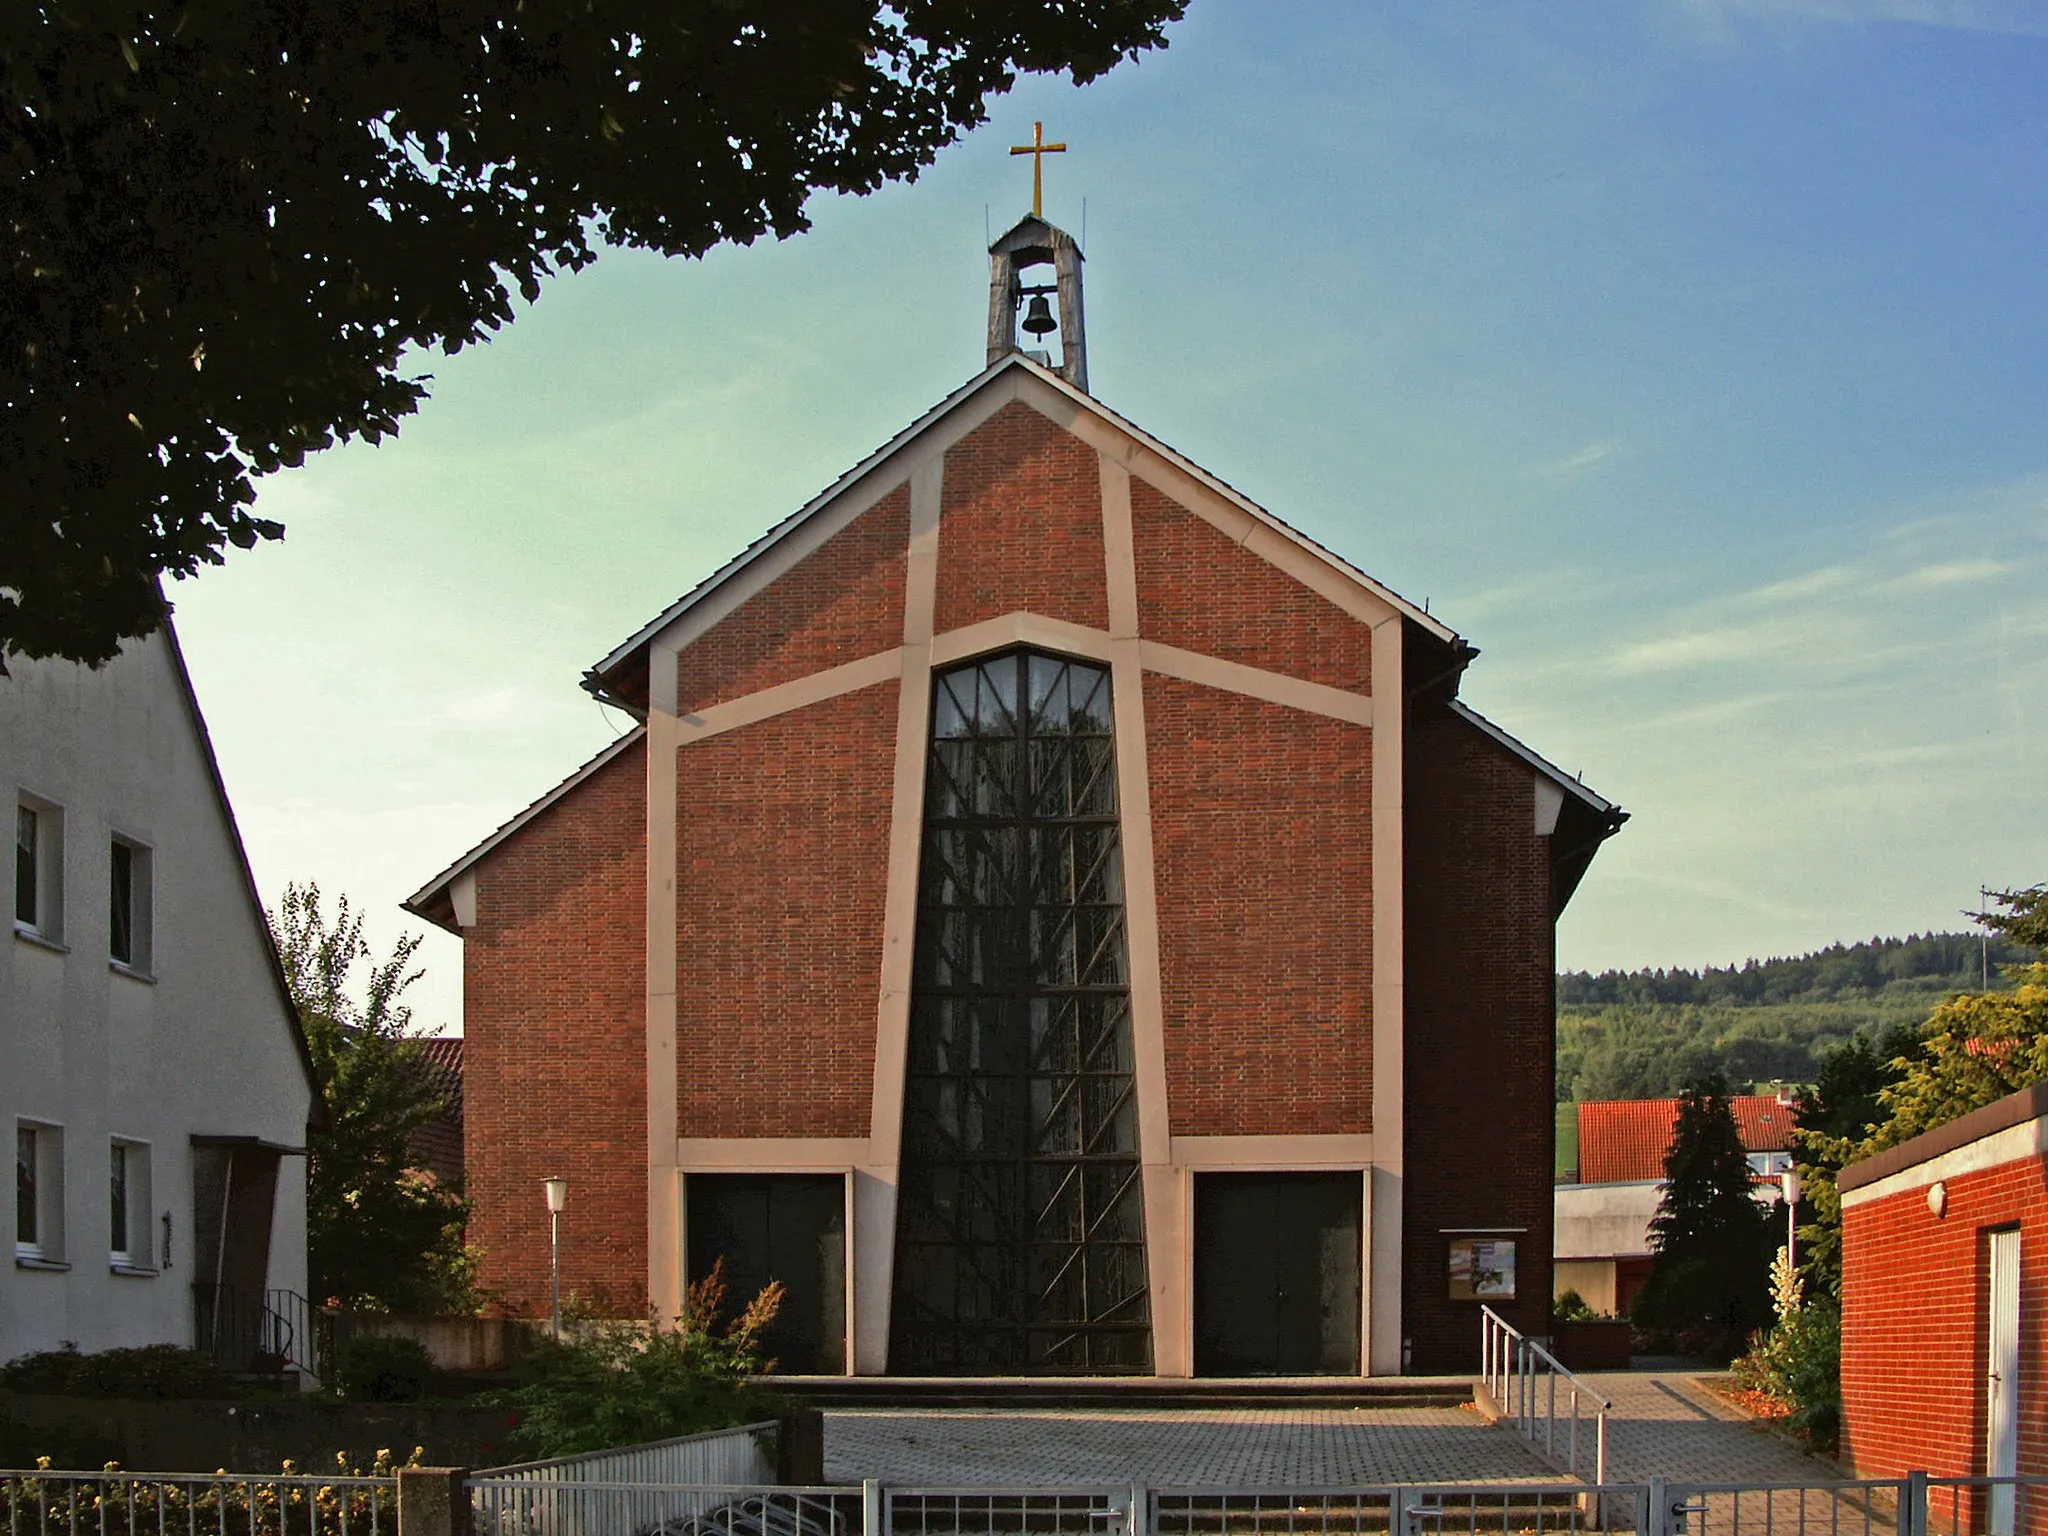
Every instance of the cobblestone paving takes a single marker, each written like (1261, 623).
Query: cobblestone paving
(1664, 1426)
(1262, 1447)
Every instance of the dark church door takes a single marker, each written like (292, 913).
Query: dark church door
(1278, 1265)
(777, 1226)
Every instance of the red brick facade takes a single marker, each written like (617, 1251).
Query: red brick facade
(842, 602)
(1262, 842)
(1480, 979)
(1916, 1293)
(782, 836)
(1204, 592)
(1020, 525)
(1263, 839)
(554, 1054)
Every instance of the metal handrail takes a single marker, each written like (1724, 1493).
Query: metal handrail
(1511, 1362)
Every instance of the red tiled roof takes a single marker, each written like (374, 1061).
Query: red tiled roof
(1626, 1139)
(437, 1145)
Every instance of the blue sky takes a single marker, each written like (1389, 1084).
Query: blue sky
(1687, 357)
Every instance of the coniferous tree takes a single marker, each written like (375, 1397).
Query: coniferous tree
(1710, 1242)
(2024, 919)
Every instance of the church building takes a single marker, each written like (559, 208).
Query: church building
(1051, 915)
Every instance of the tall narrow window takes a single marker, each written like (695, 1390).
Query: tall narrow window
(27, 872)
(38, 1191)
(1020, 1228)
(28, 1223)
(128, 904)
(38, 868)
(119, 1192)
(121, 914)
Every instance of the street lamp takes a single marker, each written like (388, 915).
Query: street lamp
(558, 1195)
(1788, 1186)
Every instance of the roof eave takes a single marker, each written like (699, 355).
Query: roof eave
(435, 902)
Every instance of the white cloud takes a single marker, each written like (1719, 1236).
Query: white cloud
(1794, 588)
(1578, 463)
(1949, 573)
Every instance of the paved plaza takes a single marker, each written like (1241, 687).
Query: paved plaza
(1269, 1447)
(1662, 1424)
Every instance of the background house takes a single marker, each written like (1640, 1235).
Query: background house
(152, 1073)
(1601, 1243)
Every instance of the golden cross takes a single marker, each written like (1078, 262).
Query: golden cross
(1038, 149)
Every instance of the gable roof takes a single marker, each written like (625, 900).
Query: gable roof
(1569, 783)
(624, 667)
(316, 1113)
(1621, 1140)
(431, 901)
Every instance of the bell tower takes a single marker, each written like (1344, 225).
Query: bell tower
(1029, 244)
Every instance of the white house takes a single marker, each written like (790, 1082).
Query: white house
(151, 1066)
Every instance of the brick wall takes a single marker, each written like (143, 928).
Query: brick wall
(554, 1049)
(842, 602)
(1915, 1323)
(1262, 837)
(782, 831)
(1479, 1056)
(1204, 592)
(1020, 525)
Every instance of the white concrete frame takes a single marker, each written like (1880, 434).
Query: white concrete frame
(779, 1154)
(1168, 1162)
(2029, 1139)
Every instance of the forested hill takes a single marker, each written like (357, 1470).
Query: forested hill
(1639, 1034)
(1953, 960)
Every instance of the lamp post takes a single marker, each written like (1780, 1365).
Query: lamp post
(558, 1195)
(1788, 1186)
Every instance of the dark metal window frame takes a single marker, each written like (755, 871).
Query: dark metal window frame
(1020, 1236)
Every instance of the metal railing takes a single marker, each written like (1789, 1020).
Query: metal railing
(1405, 1510)
(261, 1332)
(676, 1509)
(1076, 1511)
(43, 1503)
(1915, 1505)
(1523, 1377)
(632, 1489)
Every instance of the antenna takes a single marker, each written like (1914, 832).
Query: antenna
(1084, 223)
(986, 237)
(1984, 911)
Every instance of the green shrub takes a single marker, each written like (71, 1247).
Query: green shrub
(624, 1383)
(1570, 1307)
(159, 1371)
(1793, 1372)
(382, 1368)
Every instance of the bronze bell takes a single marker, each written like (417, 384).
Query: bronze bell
(1038, 318)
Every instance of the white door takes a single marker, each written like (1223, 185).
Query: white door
(2001, 1412)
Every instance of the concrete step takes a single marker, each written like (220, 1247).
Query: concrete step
(1111, 1392)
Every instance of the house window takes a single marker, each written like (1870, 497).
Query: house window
(1768, 1165)
(128, 1204)
(38, 868)
(27, 875)
(38, 1191)
(128, 905)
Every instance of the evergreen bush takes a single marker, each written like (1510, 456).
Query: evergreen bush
(162, 1372)
(382, 1368)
